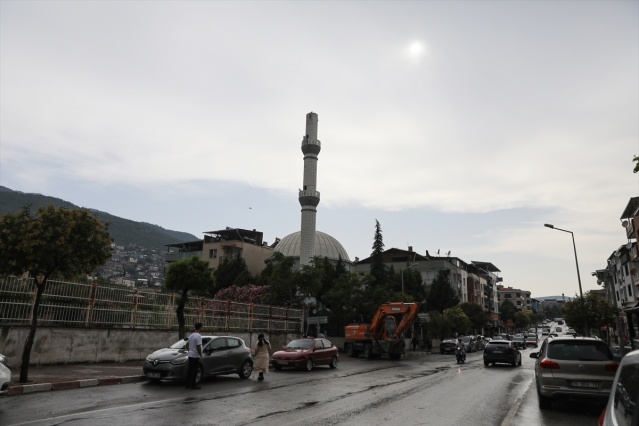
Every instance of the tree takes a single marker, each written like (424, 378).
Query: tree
(521, 320)
(243, 294)
(282, 280)
(231, 271)
(54, 242)
(441, 295)
(475, 314)
(507, 311)
(184, 276)
(439, 326)
(599, 312)
(378, 269)
(458, 320)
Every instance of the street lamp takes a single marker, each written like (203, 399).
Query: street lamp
(402, 271)
(581, 295)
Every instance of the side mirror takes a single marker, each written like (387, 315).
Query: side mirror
(534, 355)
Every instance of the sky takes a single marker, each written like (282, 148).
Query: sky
(461, 126)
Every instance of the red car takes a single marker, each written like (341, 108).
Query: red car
(305, 354)
(531, 341)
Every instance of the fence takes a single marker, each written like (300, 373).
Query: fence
(91, 305)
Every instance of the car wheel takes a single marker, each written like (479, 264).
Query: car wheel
(486, 364)
(277, 367)
(350, 351)
(309, 365)
(519, 363)
(514, 361)
(394, 356)
(245, 370)
(155, 381)
(441, 352)
(333, 363)
(368, 351)
(545, 403)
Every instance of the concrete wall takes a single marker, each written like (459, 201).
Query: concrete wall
(57, 345)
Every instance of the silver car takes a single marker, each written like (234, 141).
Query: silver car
(623, 404)
(5, 376)
(580, 367)
(221, 355)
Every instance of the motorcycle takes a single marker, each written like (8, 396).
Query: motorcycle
(460, 354)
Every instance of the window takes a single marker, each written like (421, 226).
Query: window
(626, 395)
(212, 253)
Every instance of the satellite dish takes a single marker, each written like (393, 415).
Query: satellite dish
(629, 245)
(624, 223)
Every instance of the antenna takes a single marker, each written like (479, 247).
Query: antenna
(448, 254)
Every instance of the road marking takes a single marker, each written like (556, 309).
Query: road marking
(508, 420)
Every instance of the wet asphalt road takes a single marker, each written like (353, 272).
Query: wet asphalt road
(417, 390)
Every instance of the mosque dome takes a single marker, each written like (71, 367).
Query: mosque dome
(325, 246)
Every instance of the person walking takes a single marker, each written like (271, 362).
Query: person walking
(194, 347)
(262, 356)
(415, 343)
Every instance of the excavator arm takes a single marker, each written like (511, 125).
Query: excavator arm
(409, 311)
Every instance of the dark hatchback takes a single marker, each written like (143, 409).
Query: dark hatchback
(502, 351)
(220, 355)
(447, 346)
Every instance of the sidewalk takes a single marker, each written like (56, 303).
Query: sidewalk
(72, 376)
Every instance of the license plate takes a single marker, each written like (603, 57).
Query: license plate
(581, 384)
(153, 375)
(498, 352)
(282, 362)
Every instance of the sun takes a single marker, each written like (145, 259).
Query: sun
(415, 49)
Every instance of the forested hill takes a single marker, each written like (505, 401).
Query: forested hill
(123, 231)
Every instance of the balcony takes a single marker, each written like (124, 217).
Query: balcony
(634, 254)
(172, 257)
(630, 229)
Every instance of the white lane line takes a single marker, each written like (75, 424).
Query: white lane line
(508, 420)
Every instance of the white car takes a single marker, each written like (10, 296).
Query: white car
(5, 376)
(622, 409)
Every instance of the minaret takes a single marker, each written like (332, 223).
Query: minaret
(309, 197)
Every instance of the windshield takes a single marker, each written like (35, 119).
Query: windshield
(300, 344)
(181, 344)
(465, 339)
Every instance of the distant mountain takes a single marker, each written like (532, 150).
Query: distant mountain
(123, 231)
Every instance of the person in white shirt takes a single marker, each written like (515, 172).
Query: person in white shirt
(194, 346)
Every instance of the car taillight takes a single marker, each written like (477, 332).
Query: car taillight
(551, 365)
(612, 367)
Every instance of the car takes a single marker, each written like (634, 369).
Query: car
(577, 367)
(5, 375)
(502, 351)
(531, 341)
(559, 330)
(305, 354)
(553, 335)
(622, 407)
(545, 331)
(505, 336)
(469, 344)
(448, 346)
(571, 332)
(480, 343)
(519, 341)
(221, 355)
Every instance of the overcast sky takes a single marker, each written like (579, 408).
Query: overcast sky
(461, 126)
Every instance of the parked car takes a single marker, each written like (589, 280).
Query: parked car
(531, 341)
(469, 344)
(447, 346)
(622, 408)
(5, 375)
(306, 354)
(571, 332)
(220, 355)
(503, 351)
(519, 341)
(573, 367)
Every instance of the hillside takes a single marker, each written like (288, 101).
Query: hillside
(123, 231)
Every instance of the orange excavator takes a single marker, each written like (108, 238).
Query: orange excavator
(383, 335)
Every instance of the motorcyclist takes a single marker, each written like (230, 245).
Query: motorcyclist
(460, 347)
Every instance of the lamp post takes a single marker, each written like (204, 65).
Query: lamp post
(581, 295)
(408, 267)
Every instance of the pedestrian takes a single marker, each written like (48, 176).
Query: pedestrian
(414, 342)
(194, 347)
(262, 356)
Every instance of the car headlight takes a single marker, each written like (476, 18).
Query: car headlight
(149, 359)
(180, 361)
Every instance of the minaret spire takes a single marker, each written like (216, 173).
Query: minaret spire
(309, 197)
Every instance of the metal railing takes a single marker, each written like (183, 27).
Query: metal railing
(91, 305)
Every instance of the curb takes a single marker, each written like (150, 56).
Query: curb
(73, 384)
